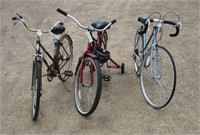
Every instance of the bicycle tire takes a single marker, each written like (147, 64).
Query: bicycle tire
(164, 79)
(87, 86)
(36, 88)
(137, 55)
(65, 56)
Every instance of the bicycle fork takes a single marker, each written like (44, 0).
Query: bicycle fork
(82, 66)
(37, 57)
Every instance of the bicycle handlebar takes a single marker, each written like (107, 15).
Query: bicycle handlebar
(113, 21)
(84, 27)
(176, 26)
(62, 12)
(146, 25)
(21, 20)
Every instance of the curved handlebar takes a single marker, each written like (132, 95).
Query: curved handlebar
(84, 27)
(147, 21)
(176, 26)
(68, 15)
(21, 20)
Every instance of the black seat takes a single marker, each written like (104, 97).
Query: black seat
(100, 24)
(58, 29)
(142, 19)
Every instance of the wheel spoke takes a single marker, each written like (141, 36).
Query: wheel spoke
(158, 84)
(90, 87)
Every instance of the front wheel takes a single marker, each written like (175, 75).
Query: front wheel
(158, 77)
(36, 88)
(88, 85)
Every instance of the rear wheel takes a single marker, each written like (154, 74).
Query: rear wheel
(65, 57)
(137, 54)
(36, 88)
(88, 85)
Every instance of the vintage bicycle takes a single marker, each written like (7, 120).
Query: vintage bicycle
(153, 63)
(88, 82)
(61, 61)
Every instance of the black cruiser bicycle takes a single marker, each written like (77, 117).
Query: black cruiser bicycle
(61, 61)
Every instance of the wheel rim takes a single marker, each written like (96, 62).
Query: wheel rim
(85, 93)
(158, 88)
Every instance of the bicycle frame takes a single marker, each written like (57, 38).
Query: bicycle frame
(53, 59)
(88, 52)
(153, 46)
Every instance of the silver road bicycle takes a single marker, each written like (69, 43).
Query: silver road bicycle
(154, 63)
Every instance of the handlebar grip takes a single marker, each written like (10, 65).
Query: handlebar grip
(14, 18)
(143, 29)
(176, 33)
(113, 21)
(62, 12)
(174, 24)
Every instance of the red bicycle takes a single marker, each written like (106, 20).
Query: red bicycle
(88, 82)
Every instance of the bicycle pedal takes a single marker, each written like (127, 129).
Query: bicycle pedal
(106, 77)
(68, 73)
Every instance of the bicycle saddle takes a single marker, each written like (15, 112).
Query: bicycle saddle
(100, 24)
(58, 28)
(142, 19)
